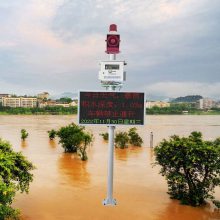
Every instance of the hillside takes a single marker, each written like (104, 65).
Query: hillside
(189, 98)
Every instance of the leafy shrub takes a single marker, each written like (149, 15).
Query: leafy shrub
(134, 138)
(24, 134)
(121, 140)
(86, 140)
(191, 167)
(52, 134)
(73, 138)
(105, 136)
(14, 176)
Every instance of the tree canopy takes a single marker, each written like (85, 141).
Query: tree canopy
(74, 139)
(191, 167)
(14, 176)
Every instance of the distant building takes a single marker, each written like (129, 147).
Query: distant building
(28, 102)
(3, 95)
(11, 102)
(66, 105)
(73, 103)
(159, 104)
(43, 95)
(25, 102)
(206, 103)
(217, 104)
(53, 103)
(42, 104)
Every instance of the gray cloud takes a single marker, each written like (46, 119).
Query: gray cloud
(175, 89)
(56, 45)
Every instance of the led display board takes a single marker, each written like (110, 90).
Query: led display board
(111, 108)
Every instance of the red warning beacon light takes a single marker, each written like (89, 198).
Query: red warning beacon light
(113, 40)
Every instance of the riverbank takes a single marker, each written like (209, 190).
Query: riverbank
(57, 110)
(60, 110)
(181, 111)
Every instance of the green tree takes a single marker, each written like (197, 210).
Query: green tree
(24, 134)
(65, 100)
(121, 139)
(52, 134)
(14, 176)
(191, 167)
(86, 140)
(134, 138)
(73, 138)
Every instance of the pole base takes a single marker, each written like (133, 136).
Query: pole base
(109, 202)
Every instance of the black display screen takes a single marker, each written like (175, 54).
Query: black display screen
(111, 108)
(111, 66)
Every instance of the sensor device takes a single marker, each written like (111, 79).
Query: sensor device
(112, 71)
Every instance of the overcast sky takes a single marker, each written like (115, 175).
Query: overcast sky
(172, 47)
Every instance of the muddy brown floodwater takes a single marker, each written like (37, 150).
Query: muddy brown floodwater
(66, 188)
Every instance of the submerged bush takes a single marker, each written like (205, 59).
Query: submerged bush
(24, 134)
(73, 138)
(134, 138)
(52, 134)
(121, 140)
(191, 167)
(104, 136)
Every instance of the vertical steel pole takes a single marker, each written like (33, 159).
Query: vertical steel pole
(109, 200)
(151, 139)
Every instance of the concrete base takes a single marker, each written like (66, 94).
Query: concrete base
(109, 202)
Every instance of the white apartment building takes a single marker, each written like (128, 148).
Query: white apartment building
(159, 104)
(54, 103)
(3, 95)
(11, 102)
(28, 102)
(25, 102)
(206, 103)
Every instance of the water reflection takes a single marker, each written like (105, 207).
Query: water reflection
(124, 154)
(52, 143)
(24, 144)
(74, 169)
(151, 154)
(175, 211)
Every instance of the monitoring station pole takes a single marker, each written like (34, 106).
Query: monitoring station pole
(111, 78)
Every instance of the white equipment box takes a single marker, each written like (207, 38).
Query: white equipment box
(112, 71)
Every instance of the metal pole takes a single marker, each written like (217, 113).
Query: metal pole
(109, 200)
(151, 139)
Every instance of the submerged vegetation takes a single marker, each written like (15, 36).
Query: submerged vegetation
(134, 138)
(52, 134)
(24, 134)
(123, 139)
(191, 167)
(75, 139)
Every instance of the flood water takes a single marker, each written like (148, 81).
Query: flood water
(65, 188)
